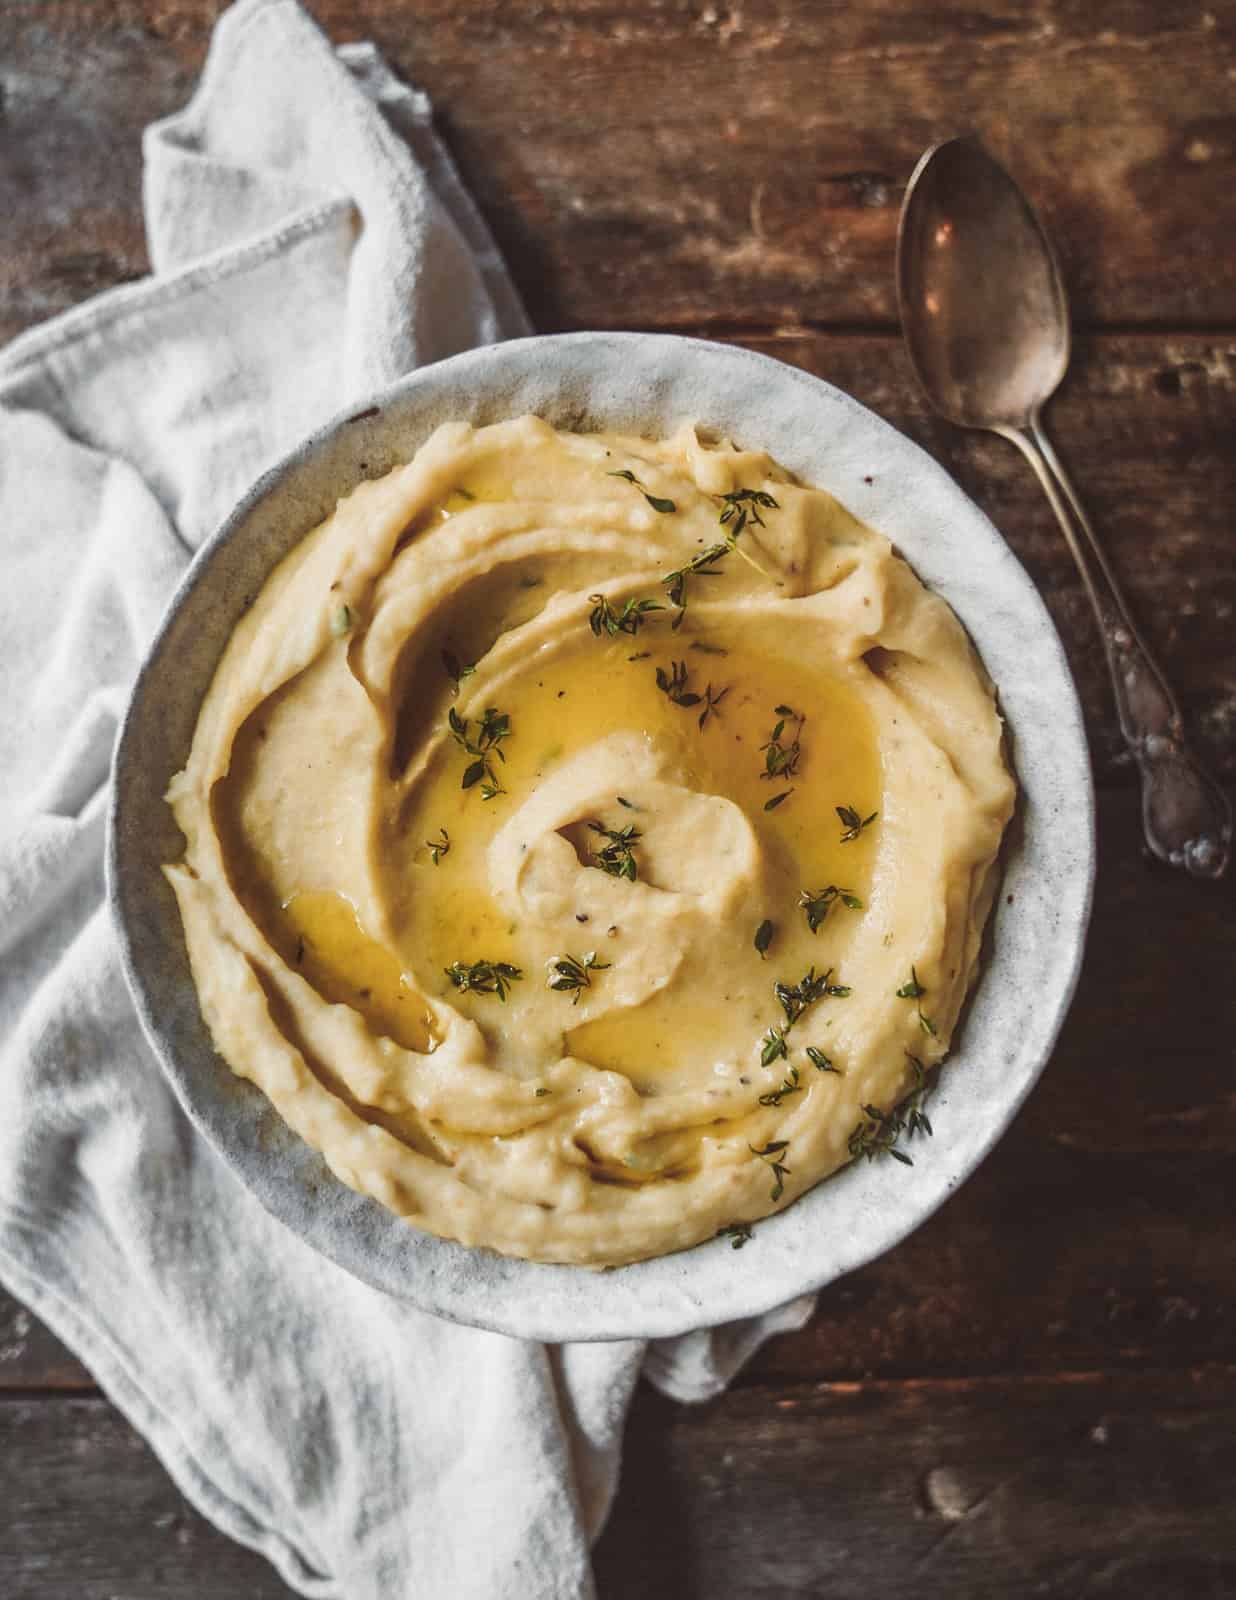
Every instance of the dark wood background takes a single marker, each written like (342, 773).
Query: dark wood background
(1036, 1394)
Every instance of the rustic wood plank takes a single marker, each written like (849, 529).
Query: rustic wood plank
(1075, 1485)
(1098, 1234)
(682, 163)
(1118, 1485)
(87, 1510)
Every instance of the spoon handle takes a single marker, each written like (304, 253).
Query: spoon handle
(1186, 817)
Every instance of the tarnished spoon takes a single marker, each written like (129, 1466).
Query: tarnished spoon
(985, 318)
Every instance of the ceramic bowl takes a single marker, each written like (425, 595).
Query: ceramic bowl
(645, 384)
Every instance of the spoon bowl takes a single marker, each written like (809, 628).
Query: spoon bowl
(981, 296)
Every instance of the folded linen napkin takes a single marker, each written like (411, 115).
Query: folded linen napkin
(311, 240)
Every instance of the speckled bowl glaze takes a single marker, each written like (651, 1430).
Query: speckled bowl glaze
(646, 384)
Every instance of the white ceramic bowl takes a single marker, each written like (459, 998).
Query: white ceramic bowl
(647, 384)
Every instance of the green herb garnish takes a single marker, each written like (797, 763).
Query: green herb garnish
(914, 990)
(568, 974)
(781, 760)
(817, 903)
(493, 727)
(852, 824)
(737, 1232)
(771, 805)
(789, 1085)
(617, 856)
(743, 505)
(771, 1153)
(483, 977)
(763, 938)
(603, 619)
(795, 998)
(821, 1062)
(674, 684)
(665, 507)
(774, 1047)
(879, 1132)
(439, 847)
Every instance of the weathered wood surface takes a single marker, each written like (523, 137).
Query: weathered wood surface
(1074, 1484)
(691, 162)
(1035, 1393)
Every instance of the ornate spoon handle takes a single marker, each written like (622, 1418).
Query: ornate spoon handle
(1185, 814)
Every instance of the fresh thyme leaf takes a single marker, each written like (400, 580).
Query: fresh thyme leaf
(455, 669)
(540, 1093)
(737, 1232)
(483, 977)
(493, 727)
(781, 760)
(439, 847)
(914, 990)
(617, 857)
(794, 998)
(604, 619)
(775, 1047)
(789, 1085)
(666, 507)
(771, 1153)
(623, 801)
(568, 974)
(852, 823)
(708, 649)
(771, 805)
(817, 903)
(640, 655)
(763, 938)
(821, 1062)
(341, 620)
(675, 684)
(879, 1132)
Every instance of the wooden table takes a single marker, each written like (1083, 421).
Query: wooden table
(1036, 1394)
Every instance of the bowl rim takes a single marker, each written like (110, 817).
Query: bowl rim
(535, 1300)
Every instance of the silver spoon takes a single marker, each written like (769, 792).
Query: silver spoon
(986, 322)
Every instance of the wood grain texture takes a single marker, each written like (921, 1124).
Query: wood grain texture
(1073, 1485)
(688, 162)
(1076, 1484)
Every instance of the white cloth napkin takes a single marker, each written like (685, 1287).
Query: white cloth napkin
(310, 240)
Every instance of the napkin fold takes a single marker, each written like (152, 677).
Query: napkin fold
(311, 241)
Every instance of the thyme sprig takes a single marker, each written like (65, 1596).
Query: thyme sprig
(675, 684)
(878, 1131)
(741, 506)
(914, 990)
(781, 760)
(795, 998)
(603, 619)
(570, 975)
(703, 565)
(817, 903)
(788, 1085)
(821, 1062)
(439, 847)
(772, 1153)
(665, 507)
(491, 729)
(483, 977)
(617, 857)
(852, 822)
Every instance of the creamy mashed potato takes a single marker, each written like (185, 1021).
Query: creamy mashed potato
(589, 840)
